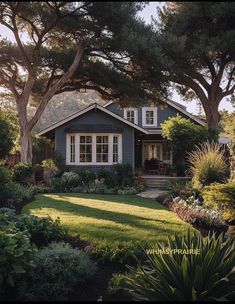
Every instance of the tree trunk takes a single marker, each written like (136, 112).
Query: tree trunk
(26, 146)
(212, 115)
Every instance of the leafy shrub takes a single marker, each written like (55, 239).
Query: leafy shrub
(208, 275)
(23, 172)
(49, 164)
(124, 173)
(181, 188)
(184, 135)
(221, 196)
(5, 175)
(6, 136)
(42, 230)
(118, 252)
(207, 164)
(67, 182)
(86, 176)
(58, 270)
(16, 256)
(193, 211)
(127, 190)
(15, 195)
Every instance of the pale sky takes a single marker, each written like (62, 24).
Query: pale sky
(148, 11)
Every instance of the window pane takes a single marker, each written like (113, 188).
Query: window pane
(149, 117)
(102, 149)
(72, 149)
(88, 149)
(85, 149)
(98, 139)
(88, 139)
(105, 158)
(82, 139)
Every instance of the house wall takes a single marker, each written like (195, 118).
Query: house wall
(94, 117)
(162, 114)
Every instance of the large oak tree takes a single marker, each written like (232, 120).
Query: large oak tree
(68, 46)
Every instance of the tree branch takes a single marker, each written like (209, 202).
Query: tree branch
(52, 91)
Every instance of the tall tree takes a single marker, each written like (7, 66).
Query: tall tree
(191, 47)
(68, 46)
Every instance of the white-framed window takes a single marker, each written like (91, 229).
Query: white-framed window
(149, 117)
(131, 114)
(93, 149)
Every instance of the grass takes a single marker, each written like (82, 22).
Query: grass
(111, 218)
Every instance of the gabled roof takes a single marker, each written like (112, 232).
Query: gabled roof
(91, 107)
(178, 107)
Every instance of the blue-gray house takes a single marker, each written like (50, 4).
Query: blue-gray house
(99, 136)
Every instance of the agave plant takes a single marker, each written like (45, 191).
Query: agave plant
(207, 276)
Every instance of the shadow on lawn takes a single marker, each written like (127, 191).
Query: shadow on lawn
(138, 223)
(133, 200)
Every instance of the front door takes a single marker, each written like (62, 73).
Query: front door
(152, 150)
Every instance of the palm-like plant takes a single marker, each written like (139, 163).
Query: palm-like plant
(209, 275)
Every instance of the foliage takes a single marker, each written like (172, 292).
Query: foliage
(22, 172)
(67, 181)
(18, 194)
(86, 176)
(88, 35)
(207, 164)
(194, 211)
(127, 190)
(5, 175)
(181, 188)
(6, 140)
(59, 269)
(16, 256)
(124, 173)
(49, 164)
(41, 230)
(184, 136)
(207, 276)
(189, 48)
(118, 252)
(221, 196)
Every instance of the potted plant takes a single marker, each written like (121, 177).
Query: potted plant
(49, 170)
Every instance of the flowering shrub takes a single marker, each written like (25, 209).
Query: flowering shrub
(213, 217)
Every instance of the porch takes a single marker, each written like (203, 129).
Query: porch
(153, 154)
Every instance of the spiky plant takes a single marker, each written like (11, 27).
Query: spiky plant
(207, 164)
(209, 275)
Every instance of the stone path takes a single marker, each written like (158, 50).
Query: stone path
(151, 193)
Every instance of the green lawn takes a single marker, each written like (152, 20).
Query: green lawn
(111, 217)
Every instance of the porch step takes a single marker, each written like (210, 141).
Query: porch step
(160, 182)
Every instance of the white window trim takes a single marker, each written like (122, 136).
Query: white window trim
(77, 149)
(144, 110)
(135, 114)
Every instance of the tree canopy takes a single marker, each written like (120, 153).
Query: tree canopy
(69, 46)
(192, 49)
